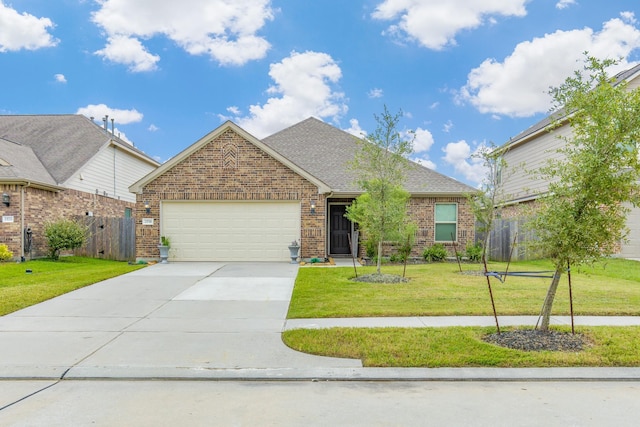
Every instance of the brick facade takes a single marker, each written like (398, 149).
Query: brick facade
(230, 168)
(41, 206)
(422, 211)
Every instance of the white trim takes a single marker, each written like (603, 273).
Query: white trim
(435, 222)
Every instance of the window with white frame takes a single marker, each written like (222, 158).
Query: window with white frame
(446, 217)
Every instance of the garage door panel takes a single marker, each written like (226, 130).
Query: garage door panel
(230, 231)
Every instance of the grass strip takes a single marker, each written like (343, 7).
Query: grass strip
(462, 347)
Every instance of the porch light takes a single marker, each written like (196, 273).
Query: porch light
(147, 207)
(6, 199)
(313, 207)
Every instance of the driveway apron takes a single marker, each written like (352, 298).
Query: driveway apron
(176, 320)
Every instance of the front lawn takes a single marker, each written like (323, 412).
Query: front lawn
(611, 287)
(47, 279)
(607, 288)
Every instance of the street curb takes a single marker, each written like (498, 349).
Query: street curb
(344, 374)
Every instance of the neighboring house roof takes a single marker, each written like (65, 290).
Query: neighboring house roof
(541, 126)
(19, 163)
(62, 144)
(325, 152)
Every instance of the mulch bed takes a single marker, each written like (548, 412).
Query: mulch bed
(380, 278)
(535, 340)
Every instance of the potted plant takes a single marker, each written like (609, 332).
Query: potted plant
(165, 244)
(294, 247)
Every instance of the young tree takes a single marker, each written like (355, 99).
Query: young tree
(583, 215)
(380, 164)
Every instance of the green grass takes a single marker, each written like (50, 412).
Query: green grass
(611, 287)
(607, 288)
(462, 347)
(48, 279)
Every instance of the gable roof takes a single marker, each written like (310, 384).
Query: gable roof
(62, 144)
(325, 151)
(19, 163)
(533, 131)
(138, 186)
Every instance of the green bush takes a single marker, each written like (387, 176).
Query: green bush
(437, 252)
(5, 253)
(474, 252)
(64, 234)
(370, 248)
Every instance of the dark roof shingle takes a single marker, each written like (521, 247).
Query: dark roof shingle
(325, 151)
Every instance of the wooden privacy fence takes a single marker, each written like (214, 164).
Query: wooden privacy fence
(506, 233)
(109, 238)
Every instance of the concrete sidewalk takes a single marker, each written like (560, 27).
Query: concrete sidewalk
(448, 321)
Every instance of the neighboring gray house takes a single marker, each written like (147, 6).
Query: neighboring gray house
(62, 166)
(231, 196)
(530, 150)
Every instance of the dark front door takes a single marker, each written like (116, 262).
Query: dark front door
(339, 229)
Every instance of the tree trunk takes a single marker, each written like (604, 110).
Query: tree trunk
(379, 255)
(548, 301)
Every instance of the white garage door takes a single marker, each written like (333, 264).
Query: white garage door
(230, 231)
(631, 249)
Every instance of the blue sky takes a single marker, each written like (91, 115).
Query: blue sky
(464, 72)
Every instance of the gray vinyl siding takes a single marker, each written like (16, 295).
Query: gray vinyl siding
(517, 179)
(110, 173)
(631, 247)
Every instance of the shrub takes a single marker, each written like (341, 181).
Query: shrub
(474, 252)
(370, 248)
(437, 252)
(64, 234)
(5, 253)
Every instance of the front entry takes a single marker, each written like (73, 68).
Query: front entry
(339, 229)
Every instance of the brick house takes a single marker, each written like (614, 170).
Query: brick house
(231, 196)
(61, 166)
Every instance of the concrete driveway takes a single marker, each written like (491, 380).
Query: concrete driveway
(177, 320)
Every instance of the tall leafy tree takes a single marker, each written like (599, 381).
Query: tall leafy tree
(596, 174)
(381, 164)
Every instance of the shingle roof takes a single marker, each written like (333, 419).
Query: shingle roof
(62, 143)
(324, 152)
(22, 164)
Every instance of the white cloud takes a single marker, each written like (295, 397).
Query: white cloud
(435, 23)
(628, 17)
(519, 85)
(234, 110)
(375, 93)
(458, 154)
(423, 140)
(60, 78)
(153, 128)
(425, 161)
(121, 117)
(355, 129)
(304, 86)
(129, 51)
(446, 128)
(225, 30)
(23, 30)
(563, 4)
